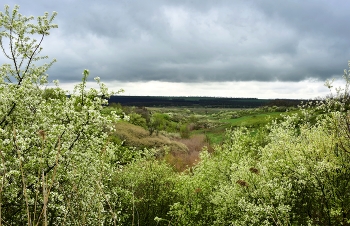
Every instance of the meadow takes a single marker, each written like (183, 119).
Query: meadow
(186, 131)
(211, 122)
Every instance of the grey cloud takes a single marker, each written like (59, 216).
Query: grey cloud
(197, 41)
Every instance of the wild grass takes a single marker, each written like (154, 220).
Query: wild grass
(203, 128)
(256, 120)
(215, 125)
(184, 160)
(179, 152)
(136, 136)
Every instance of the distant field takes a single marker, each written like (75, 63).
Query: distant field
(256, 120)
(209, 102)
(195, 110)
(218, 120)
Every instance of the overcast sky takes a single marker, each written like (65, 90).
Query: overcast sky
(263, 49)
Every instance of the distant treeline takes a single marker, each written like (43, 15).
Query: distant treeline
(210, 102)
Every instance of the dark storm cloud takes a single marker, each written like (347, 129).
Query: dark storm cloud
(196, 41)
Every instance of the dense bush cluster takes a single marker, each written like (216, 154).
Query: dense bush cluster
(48, 142)
(61, 162)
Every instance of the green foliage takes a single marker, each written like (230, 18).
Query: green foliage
(146, 191)
(297, 174)
(137, 120)
(184, 131)
(53, 148)
(316, 168)
(53, 93)
(157, 122)
(199, 189)
(112, 110)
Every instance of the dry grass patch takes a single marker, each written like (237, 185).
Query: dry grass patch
(182, 161)
(137, 136)
(179, 153)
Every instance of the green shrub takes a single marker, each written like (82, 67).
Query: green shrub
(145, 191)
(137, 120)
(295, 175)
(184, 131)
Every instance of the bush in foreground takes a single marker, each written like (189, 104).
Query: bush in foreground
(53, 149)
(297, 175)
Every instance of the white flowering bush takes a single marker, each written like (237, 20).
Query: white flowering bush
(297, 173)
(56, 160)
